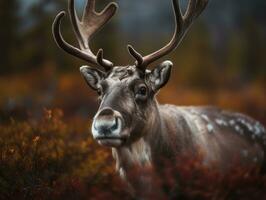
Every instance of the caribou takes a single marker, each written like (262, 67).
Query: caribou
(130, 120)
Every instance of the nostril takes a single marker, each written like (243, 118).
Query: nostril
(115, 126)
(106, 111)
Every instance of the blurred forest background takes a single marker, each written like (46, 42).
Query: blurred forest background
(44, 100)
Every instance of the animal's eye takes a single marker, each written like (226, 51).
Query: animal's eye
(142, 91)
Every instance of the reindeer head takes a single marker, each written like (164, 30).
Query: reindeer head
(127, 93)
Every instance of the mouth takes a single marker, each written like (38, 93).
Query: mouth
(110, 141)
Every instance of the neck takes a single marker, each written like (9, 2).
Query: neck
(142, 152)
(161, 137)
(137, 154)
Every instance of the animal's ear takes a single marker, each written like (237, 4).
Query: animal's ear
(160, 75)
(92, 76)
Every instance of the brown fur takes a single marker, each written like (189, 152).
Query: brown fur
(173, 130)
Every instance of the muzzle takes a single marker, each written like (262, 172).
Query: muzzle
(107, 127)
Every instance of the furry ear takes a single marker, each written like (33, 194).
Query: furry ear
(92, 76)
(160, 75)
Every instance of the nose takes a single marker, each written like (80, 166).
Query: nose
(106, 122)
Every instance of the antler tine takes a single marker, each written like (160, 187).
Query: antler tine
(100, 60)
(182, 23)
(76, 24)
(93, 21)
(63, 44)
(194, 9)
(136, 55)
(84, 30)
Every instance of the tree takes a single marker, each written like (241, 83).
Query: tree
(8, 33)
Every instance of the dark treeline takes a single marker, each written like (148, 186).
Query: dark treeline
(228, 37)
(8, 34)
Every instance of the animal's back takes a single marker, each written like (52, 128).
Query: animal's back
(223, 137)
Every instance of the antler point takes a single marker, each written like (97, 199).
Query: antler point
(100, 53)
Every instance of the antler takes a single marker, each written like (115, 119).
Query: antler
(85, 29)
(182, 22)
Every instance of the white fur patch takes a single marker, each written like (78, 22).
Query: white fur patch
(250, 128)
(194, 112)
(205, 117)
(210, 128)
(232, 122)
(221, 122)
(257, 130)
(238, 129)
(122, 173)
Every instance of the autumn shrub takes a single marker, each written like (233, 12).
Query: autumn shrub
(49, 158)
(186, 177)
(54, 159)
(198, 181)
